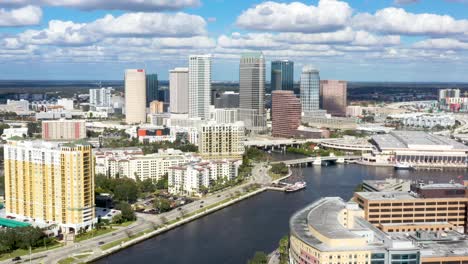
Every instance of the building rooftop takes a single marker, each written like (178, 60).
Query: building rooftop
(417, 140)
(386, 195)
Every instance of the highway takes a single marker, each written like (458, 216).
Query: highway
(145, 222)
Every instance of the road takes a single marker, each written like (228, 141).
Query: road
(147, 222)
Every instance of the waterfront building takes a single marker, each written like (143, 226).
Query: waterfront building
(100, 98)
(334, 96)
(286, 113)
(131, 163)
(63, 129)
(310, 90)
(430, 207)
(156, 107)
(252, 91)
(193, 178)
(387, 185)
(135, 96)
(333, 231)
(179, 90)
(282, 75)
(52, 183)
(199, 86)
(418, 148)
(227, 99)
(151, 88)
(221, 141)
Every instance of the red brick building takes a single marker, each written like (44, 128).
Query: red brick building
(286, 113)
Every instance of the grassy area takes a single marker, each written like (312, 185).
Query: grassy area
(124, 224)
(68, 260)
(93, 233)
(123, 240)
(275, 176)
(24, 252)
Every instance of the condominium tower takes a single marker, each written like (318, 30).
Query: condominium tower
(101, 97)
(63, 129)
(179, 90)
(252, 91)
(286, 113)
(219, 141)
(334, 96)
(199, 86)
(135, 96)
(310, 89)
(282, 75)
(151, 88)
(51, 183)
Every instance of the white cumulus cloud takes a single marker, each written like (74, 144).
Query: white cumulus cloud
(328, 15)
(442, 44)
(397, 21)
(24, 16)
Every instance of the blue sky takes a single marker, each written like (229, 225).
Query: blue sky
(360, 40)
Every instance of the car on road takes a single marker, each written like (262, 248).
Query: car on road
(16, 258)
(219, 195)
(180, 208)
(201, 206)
(202, 201)
(101, 243)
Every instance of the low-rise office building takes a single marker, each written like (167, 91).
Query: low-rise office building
(431, 207)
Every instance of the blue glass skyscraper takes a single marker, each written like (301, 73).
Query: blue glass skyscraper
(282, 75)
(310, 89)
(151, 88)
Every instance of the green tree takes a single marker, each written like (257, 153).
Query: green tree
(127, 212)
(162, 204)
(146, 186)
(284, 250)
(259, 258)
(3, 126)
(163, 183)
(34, 128)
(280, 168)
(125, 190)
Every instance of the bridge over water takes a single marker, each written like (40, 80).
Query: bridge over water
(318, 160)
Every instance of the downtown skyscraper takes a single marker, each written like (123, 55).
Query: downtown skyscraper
(135, 96)
(252, 91)
(178, 88)
(151, 88)
(282, 75)
(199, 86)
(310, 89)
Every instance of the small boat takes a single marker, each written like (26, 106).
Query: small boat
(403, 166)
(296, 187)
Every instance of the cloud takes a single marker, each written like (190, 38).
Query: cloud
(128, 5)
(68, 33)
(397, 21)
(441, 44)
(328, 15)
(24, 16)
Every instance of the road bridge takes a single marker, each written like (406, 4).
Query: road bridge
(318, 160)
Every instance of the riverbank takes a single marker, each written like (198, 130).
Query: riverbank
(144, 235)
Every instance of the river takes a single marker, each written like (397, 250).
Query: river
(232, 235)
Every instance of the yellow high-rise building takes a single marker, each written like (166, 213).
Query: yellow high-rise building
(49, 182)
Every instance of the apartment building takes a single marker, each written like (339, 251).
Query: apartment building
(50, 183)
(133, 164)
(221, 141)
(63, 129)
(195, 177)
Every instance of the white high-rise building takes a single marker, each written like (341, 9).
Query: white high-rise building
(101, 97)
(310, 89)
(135, 96)
(199, 86)
(252, 91)
(179, 90)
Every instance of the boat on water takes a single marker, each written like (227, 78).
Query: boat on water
(295, 187)
(403, 166)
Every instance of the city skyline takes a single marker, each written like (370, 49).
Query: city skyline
(388, 40)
